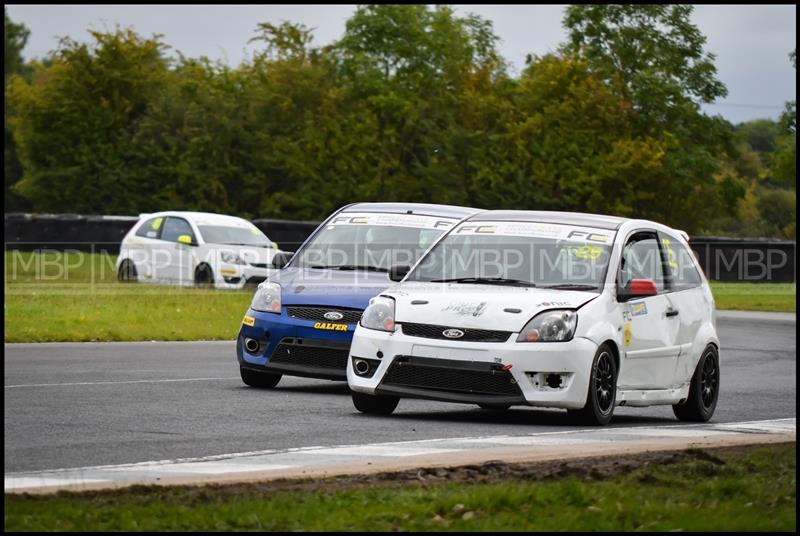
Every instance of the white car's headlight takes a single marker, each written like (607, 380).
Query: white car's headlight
(550, 326)
(231, 258)
(267, 298)
(379, 314)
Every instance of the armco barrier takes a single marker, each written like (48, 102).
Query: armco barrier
(746, 259)
(722, 259)
(96, 233)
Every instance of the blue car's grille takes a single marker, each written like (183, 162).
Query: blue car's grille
(317, 314)
(311, 353)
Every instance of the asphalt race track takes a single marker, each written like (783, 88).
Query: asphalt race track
(77, 405)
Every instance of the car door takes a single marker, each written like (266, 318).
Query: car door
(175, 260)
(690, 302)
(139, 248)
(650, 327)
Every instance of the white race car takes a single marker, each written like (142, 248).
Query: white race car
(195, 248)
(550, 309)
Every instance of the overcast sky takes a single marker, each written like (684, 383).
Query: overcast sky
(751, 43)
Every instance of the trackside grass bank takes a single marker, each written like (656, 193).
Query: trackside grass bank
(732, 489)
(76, 297)
(774, 297)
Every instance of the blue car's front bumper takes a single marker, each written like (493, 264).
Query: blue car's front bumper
(294, 346)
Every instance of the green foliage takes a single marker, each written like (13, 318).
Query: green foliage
(16, 35)
(759, 134)
(413, 103)
(654, 50)
(765, 166)
(655, 55)
(785, 160)
(75, 123)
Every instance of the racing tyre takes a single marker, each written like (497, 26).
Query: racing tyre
(376, 404)
(127, 271)
(203, 276)
(254, 378)
(703, 390)
(602, 395)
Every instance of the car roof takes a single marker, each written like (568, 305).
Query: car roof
(204, 217)
(423, 209)
(546, 216)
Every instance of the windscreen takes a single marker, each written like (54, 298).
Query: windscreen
(528, 254)
(372, 241)
(239, 236)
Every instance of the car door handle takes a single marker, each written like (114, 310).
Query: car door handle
(671, 312)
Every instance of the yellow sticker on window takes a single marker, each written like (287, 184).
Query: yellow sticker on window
(156, 224)
(672, 259)
(586, 252)
(248, 321)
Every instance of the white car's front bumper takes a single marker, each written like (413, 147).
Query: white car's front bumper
(472, 372)
(232, 276)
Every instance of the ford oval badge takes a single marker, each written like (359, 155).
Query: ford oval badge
(333, 315)
(453, 333)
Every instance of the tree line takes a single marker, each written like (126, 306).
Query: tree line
(413, 103)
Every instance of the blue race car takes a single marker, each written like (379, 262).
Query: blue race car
(301, 320)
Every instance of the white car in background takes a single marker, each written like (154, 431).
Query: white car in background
(195, 248)
(551, 309)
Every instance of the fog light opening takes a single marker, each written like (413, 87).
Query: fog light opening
(251, 345)
(553, 381)
(361, 367)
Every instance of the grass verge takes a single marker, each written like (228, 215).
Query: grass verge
(75, 297)
(730, 489)
(773, 297)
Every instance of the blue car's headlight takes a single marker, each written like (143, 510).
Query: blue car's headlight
(550, 326)
(379, 314)
(267, 298)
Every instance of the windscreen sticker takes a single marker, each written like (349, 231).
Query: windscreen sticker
(466, 308)
(586, 252)
(538, 230)
(393, 220)
(241, 224)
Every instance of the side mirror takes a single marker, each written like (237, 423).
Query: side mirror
(186, 239)
(282, 258)
(638, 288)
(398, 272)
